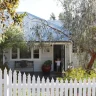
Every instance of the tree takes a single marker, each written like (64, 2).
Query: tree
(52, 16)
(80, 19)
(10, 7)
(8, 15)
(61, 16)
(12, 37)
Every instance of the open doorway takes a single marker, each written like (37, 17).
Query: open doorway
(59, 52)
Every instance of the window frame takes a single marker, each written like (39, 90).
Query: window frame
(18, 55)
(33, 54)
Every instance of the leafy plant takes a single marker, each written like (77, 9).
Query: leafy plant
(3, 66)
(47, 63)
(78, 73)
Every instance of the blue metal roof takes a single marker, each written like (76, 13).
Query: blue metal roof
(49, 30)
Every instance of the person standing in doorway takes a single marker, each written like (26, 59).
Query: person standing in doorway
(58, 64)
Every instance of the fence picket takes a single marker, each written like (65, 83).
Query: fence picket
(75, 87)
(42, 88)
(89, 87)
(14, 83)
(66, 88)
(29, 83)
(61, 88)
(52, 87)
(33, 86)
(47, 88)
(10, 83)
(70, 89)
(24, 84)
(84, 87)
(80, 88)
(1, 85)
(19, 85)
(57, 87)
(38, 86)
(93, 88)
(5, 82)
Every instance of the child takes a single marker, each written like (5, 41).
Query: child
(58, 64)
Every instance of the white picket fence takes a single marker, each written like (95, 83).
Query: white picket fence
(27, 86)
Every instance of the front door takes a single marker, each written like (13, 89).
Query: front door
(59, 52)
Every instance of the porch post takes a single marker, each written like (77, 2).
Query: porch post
(70, 53)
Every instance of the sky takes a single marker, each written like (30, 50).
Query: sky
(40, 8)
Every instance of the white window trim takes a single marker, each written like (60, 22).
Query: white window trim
(39, 55)
(18, 55)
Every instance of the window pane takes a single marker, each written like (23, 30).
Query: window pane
(36, 54)
(25, 53)
(14, 53)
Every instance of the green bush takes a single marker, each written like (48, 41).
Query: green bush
(78, 73)
(3, 66)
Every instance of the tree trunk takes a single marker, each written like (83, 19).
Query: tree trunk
(93, 57)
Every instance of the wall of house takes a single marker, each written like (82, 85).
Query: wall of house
(37, 63)
(69, 57)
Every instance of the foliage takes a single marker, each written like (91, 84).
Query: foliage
(3, 66)
(13, 36)
(8, 15)
(10, 7)
(47, 63)
(79, 18)
(52, 16)
(79, 73)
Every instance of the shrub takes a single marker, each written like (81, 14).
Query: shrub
(78, 73)
(3, 66)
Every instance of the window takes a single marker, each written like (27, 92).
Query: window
(14, 53)
(25, 53)
(36, 53)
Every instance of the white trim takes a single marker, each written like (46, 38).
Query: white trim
(52, 57)
(39, 54)
(65, 57)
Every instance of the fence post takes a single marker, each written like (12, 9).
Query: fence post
(1, 83)
(5, 82)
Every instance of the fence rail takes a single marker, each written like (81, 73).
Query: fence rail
(17, 85)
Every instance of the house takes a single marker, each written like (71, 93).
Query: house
(55, 44)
